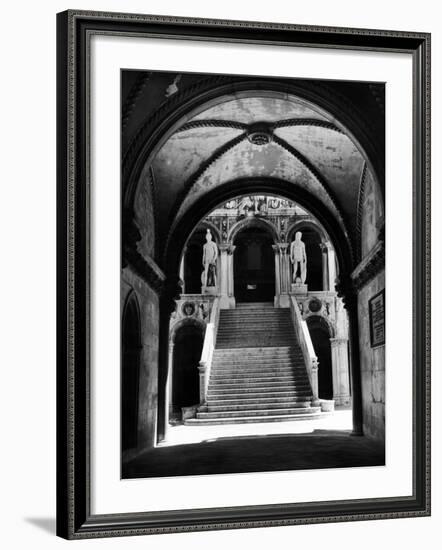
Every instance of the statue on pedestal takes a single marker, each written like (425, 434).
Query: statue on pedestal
(298, 258)
(210, 255)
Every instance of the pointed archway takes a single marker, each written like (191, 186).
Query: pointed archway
(130, 372)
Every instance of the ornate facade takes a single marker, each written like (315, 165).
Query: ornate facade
(319, 304)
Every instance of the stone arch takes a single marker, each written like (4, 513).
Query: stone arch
(321, 320)
(252, 222)
(192, 321)
(244, 186)
(213, 229)
(311, 224)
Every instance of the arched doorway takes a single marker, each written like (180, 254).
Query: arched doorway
(186, 357)
(254, 266)
(130, 372)
(320, 335)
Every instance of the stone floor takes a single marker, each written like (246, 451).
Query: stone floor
(192, 451)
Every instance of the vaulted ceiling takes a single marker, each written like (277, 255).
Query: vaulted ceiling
(261, 135)
(254, 133)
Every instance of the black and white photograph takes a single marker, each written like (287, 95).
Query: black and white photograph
(252, 274)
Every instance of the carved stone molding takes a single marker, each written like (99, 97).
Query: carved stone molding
(132, 98)
(145, 268)
(142, 265)
(370, 266)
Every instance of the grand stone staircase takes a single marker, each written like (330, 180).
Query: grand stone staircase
(258, 372)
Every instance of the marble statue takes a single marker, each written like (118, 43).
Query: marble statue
(210, 255)
(298, 258)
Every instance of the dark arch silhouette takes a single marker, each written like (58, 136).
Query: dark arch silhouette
(188, 344)
(250, 186)
(320, 335)
(130, 371)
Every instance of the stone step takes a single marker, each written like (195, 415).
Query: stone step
(286, 338)
(265, 336)
(254, 357)
(256, 365)
(257, 412)
(255, 322)
(245, 357)
(240, 377)
(232, 329)
(245, 404)
(278, 349)
(251, 419)
(246, 305)
(251, 371)
(225, 395)
(247, 391)
(252, 379)
(298, 376)
(263, 385)
(239, 344)
(244, 400)
(254, 404)
(258, 406)
(265, 312)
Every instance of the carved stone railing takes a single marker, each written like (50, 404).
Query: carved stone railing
(306, 345)
(205, 364)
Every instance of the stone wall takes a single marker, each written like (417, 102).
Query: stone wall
(148, 383)
(372, 215)
(144, 214)
(372, 365)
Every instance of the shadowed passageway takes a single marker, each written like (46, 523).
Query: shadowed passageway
(320, 449)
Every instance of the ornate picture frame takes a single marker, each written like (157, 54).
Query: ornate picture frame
(75, 519)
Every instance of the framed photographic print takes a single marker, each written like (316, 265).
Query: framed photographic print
(234, 201)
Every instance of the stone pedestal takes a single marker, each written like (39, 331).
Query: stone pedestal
(211, 290)
(341, 377)
(299, 289)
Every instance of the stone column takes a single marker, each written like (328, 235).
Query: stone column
(277, 275)
(224, 276)
(230, 278)
(341, 380)
(350, 300)
(325, 271)
(169, 382)
(331, 267)
(282, 275)
(182, 270)
(170, 290)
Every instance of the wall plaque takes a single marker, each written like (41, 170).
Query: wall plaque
(376, 308)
